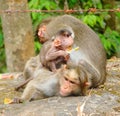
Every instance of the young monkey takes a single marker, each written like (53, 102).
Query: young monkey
(65, 82)
(55, 52)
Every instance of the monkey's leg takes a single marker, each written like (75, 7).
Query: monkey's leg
(52, 66)
(23, 84)
(17, 100)
(31, 93)
(28, 92)
(89, 68)
(37, 95)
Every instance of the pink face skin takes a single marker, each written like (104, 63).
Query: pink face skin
(68, 87)
(63, 42)
(67, 41)
(41, 31)
(65, 88)
(41, 34)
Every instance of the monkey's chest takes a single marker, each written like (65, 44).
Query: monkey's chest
(76, 56)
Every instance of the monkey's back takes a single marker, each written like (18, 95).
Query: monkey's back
(46, 82)
(43, 51)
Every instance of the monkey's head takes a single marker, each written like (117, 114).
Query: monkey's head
(41, 29)
(64, 38)
(73, 83)
(66, 31)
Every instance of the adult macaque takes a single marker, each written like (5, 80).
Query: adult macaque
(91, 53)
(54, 52)
(65, 82)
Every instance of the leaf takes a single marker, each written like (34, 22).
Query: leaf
(8, 101)
(90, 20)
(101, 21)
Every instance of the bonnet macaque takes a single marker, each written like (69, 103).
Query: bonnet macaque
(65, 82)
(54, 52)
(41, 29)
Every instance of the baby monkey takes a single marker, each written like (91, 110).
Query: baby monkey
(54, 52)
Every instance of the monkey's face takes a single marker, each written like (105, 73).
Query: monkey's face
(63, 42)
(67, 42)
(69, 83)
(66, 39)
(41, 34)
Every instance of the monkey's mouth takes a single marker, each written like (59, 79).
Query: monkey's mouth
(63, 93)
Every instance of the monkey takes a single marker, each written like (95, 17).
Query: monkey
(65, 82)
(41, 29)
(91, 51)
(31, 66)
(54, 52)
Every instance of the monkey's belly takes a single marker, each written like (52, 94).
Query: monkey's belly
(76, 56)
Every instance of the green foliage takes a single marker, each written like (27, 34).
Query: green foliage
(41, 5)
(118, 14)
(90, 20)
(111, 41)
(110, 38)
(2, 52)
(38, 17)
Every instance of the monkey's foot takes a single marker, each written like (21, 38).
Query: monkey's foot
(17, 101)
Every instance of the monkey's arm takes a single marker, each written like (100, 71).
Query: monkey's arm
(53, 55)
(96, 77)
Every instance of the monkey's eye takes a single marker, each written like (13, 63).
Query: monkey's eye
(72, 82)
(64, 35)
(66, 78)
(67, 35)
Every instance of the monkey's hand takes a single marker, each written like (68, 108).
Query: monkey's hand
(17, 101)
(67, 57)
(57, 42)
